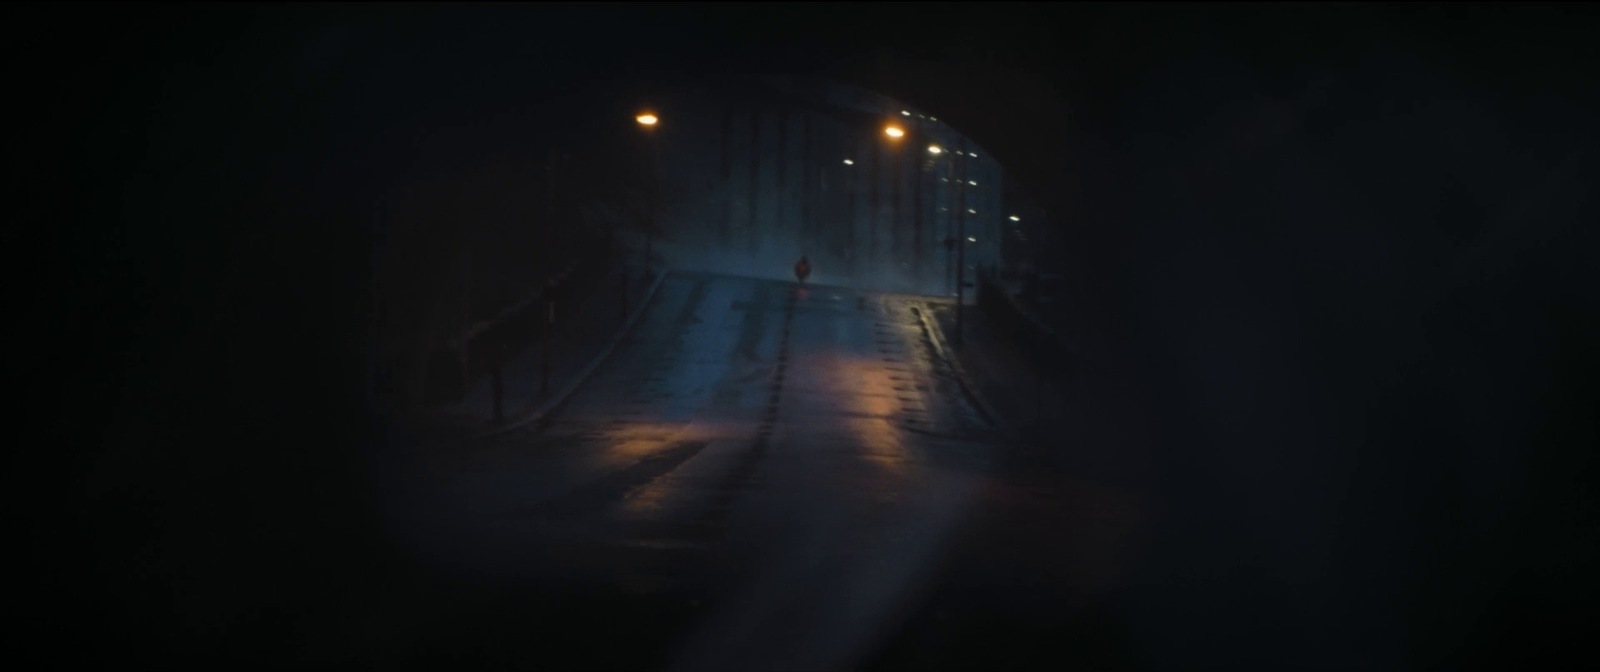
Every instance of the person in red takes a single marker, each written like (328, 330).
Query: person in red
(802, 269)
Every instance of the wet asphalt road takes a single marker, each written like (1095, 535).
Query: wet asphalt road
(761, 477)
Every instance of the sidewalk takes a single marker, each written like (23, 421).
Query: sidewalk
(1049, 320)
(1069, 416)
(584, 331)
(1016, 390)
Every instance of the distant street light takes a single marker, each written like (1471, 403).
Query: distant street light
(848, 162)
(646, 119)
(935, 149)
(1015, 218)
(894, 132)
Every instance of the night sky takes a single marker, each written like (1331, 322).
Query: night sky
(1341, 253)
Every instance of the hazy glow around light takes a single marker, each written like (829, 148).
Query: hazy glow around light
(935, 149)
(646, 119)
(972, 239)
(905, 113)
(971, 211)
(894, 131)
(1015, 218)
(972, 182)
(848, 162)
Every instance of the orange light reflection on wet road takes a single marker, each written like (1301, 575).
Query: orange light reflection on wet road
(868, 395)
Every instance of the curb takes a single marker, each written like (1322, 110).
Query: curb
(560, 397)
(936, 335)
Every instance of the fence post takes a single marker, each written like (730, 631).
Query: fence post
(549, 334)
(499, 390)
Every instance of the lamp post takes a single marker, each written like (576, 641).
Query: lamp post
(550, 233)
(850, 186)
(942, 157)
(959, 240)
(648, 121)
(917, 171)
(961, 244)
(896, 134)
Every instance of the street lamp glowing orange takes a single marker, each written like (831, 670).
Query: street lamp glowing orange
(894, 132)
(646, 119)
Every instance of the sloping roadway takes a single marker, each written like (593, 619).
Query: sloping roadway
(763, 476)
